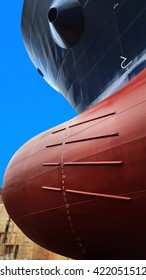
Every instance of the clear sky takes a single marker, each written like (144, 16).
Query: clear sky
(28, 105)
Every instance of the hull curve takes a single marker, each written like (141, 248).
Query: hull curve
(79, 189)
(108, 52)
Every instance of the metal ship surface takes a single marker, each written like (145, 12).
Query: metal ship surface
(79, 189)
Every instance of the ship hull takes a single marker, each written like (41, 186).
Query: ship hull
(80, 189)
(110, 51)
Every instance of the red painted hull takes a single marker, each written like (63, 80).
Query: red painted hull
(80, 189)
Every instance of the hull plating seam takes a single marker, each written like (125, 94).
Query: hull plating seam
(77, 238)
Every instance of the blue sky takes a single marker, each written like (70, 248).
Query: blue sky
(28, 105)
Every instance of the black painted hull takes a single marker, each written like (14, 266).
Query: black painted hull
(110, 52)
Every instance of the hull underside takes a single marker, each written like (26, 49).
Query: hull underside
(79, 189)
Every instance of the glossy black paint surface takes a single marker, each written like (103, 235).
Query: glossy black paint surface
(66, 22)
(110, 52)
